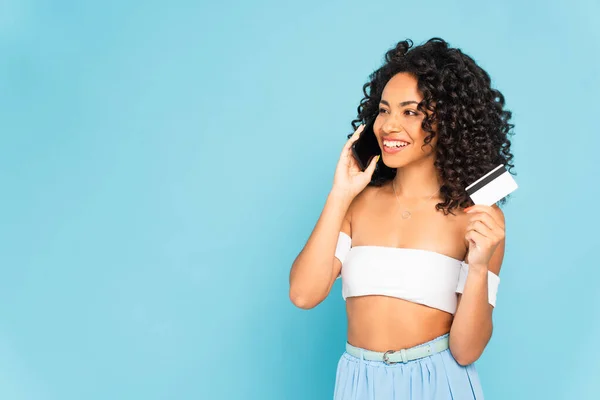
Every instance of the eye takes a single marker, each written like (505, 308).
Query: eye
(381, 110)
(410, 112)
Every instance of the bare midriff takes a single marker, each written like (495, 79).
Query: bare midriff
(381, 323)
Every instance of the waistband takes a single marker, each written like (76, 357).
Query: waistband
(390, 357)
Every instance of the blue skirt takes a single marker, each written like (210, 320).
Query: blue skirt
(434, 377)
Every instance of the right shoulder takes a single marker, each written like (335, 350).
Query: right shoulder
(355, 206)
(359, 204)
(366, 196)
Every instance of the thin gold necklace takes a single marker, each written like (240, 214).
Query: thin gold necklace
(406, 214)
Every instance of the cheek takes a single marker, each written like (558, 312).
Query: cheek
(422, 134)
(377, 128)
(429, 148)
(418, 133)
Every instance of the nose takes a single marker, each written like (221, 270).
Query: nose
(391, 124)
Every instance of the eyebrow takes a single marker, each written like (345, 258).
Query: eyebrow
(402, 104)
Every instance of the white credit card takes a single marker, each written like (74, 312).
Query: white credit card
(492, 187)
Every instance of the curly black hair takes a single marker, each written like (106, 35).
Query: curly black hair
(472, 123)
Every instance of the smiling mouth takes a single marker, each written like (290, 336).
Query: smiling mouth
(394, 146)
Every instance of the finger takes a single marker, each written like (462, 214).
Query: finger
(494, 235)
(476, 238)
(488, 210)
(354, 136)
(471, 239)
(496, 227)
(485, 219)
(481, 228)
(372, 165)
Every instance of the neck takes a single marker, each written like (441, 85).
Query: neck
(417, 181)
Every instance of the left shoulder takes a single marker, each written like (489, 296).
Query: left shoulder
(498, 211)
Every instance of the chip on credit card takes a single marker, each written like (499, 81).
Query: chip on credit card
(492, 187)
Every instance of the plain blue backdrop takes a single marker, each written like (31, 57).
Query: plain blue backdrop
(163, 163)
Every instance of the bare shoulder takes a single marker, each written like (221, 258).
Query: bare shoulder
(367, 196)
(499, 213)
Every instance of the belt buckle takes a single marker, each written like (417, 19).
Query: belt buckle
(386, 358)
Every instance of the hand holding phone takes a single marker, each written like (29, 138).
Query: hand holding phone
(350, 179)
(366, 147)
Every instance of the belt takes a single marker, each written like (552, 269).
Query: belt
(403, 355)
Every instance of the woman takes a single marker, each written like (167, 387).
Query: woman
(419, 270)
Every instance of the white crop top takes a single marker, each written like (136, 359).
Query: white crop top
(419, 276)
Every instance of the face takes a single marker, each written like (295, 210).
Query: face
(398, 124)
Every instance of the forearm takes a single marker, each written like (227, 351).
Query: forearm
(311, 273)
(472, 326)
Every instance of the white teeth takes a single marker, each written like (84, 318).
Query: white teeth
(394, 143)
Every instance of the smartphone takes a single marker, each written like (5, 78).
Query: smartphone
(366, 146)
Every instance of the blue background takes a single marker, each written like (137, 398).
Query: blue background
(162, 164)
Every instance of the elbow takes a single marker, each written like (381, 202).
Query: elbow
(465, 353)
(307, 294)
(302, 301)
(464, 359)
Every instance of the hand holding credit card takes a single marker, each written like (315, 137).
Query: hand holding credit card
(492, 187)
